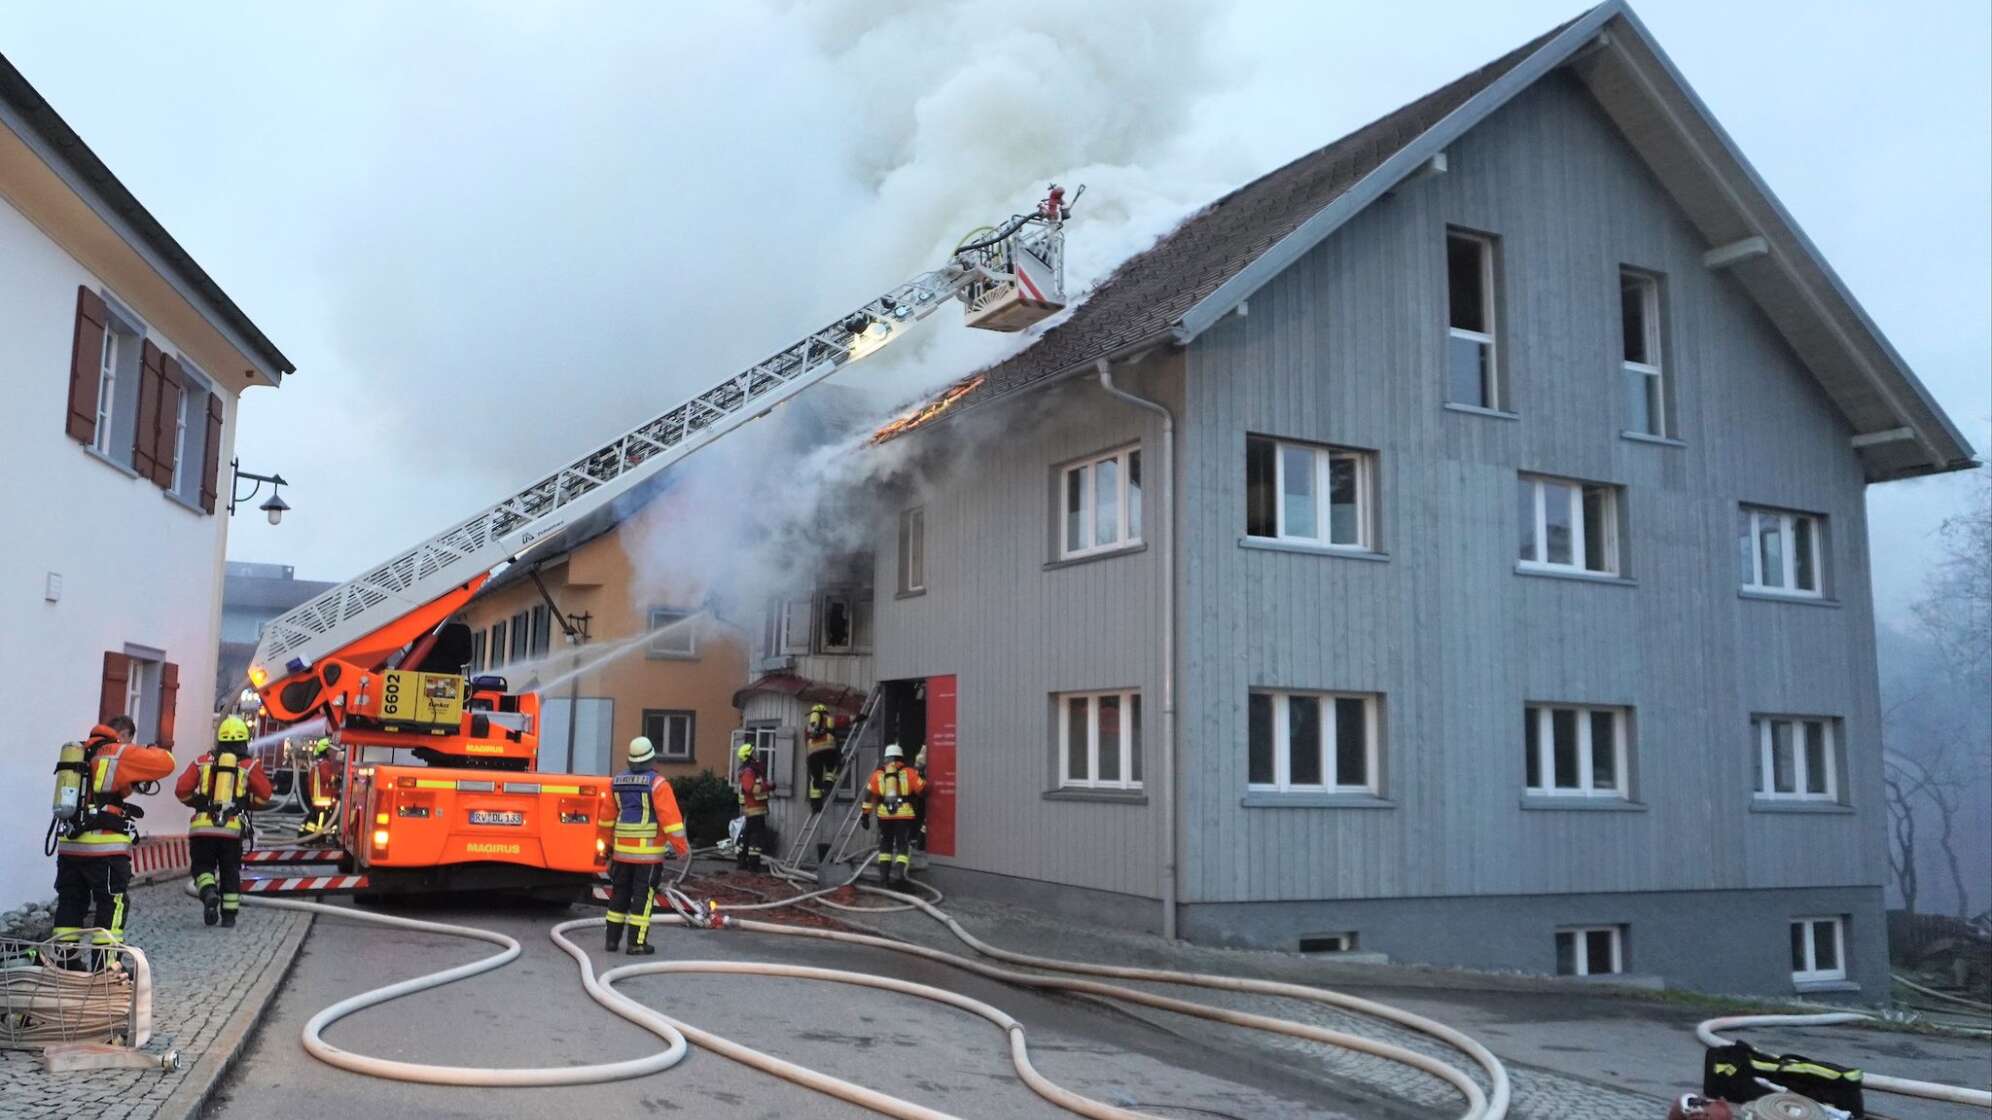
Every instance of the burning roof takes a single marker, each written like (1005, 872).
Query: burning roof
(928, 411)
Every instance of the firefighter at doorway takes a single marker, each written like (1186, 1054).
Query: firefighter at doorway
(647, 823)
(324, 793)
(891, 793)
(221, 785)
(93, 856)
(819, 739)
(754, 794)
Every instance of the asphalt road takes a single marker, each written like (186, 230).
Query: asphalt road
(534, 1012)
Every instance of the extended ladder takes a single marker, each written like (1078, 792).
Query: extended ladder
(845, 754)
(1028, 249)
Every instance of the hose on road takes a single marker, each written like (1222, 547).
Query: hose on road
(677, 1035)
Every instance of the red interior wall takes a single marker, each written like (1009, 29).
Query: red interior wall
(941, 765)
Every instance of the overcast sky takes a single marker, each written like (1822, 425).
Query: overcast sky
(487, 235)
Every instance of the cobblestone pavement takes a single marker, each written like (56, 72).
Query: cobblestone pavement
(200, 978)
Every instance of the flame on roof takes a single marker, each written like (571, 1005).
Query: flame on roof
(928, 411)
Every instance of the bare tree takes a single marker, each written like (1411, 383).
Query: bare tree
(1956, 607)
(1902, 834)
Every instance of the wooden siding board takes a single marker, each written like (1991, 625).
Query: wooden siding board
(1347, 347)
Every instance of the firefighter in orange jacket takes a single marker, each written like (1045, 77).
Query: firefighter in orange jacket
(647, 823)
(891, 793)
(221, 785)
(93, 858)
(819, 739)
(754, 791)
(323, 793)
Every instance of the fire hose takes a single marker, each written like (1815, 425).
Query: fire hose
(676, 1034)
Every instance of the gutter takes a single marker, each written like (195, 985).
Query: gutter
(1168, 561)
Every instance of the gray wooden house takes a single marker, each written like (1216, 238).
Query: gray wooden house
(1451, 544)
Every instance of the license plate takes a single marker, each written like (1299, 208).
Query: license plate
(494, 816)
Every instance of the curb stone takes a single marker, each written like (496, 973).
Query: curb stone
(191, 1098)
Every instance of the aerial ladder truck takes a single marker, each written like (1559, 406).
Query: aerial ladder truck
(442, 789)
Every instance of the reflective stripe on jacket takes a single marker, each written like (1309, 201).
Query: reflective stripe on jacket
(647, 819)
(114, 769)
(753, 791)
(196, 785)
(891, 792)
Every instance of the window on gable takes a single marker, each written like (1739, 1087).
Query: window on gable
(1575, 751)
(1311, 742)
(1100, 504)
(118, 386)
(1797, 758)
(672, 635)
(1590, 951)
(1779, 552)
(913, 550)
(1641, 364)
(1817, 949)
(1472, 365)
(1309, 494)
(1569, 525)
(1099, 740)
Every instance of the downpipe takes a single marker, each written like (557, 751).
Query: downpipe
(1167, 551)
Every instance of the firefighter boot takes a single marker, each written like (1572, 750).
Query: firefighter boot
(228, 919)
(210, 906)
(640, 948)
(614, 940)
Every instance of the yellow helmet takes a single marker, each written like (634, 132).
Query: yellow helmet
(745, 752)
(322, 746)
(232, 730)
(819, 709)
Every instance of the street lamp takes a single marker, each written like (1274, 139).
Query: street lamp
(274, 505)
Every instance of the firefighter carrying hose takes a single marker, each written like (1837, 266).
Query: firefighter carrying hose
(94, 827)
(647, 822)
(322, 817)
(819, 739)
(222, 785)
(891, 793)
(754, 792)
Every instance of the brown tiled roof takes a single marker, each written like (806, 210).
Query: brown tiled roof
(1150, 291)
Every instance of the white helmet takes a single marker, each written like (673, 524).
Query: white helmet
(640, 749)
(892, 751)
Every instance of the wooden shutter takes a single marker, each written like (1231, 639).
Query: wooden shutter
(213, 453)
(169, 699)
(86, 361)
(145, 433)
(166, 450)
(117, 675)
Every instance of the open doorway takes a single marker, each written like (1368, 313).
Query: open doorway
(919, 715)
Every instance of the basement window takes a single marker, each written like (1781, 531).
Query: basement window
(1329, 942)
(1816, 949)
(1100, 504)
(1590, 951)
(1472, 366)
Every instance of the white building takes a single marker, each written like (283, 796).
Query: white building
(123, 362)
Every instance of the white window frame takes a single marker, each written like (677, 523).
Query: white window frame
(663, 741)
(1330, 758)
(1788, 522)
(656, 650)
(1654, 369)
(1322, 458)
(1545, 725)
(1129, 740)
(1579, 543)
(1764, 731)
(913, 549)
(1492, 390)
(107, 383)
(1580, 958)
(1812, 973)
(1127, 520)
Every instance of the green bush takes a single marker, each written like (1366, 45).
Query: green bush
(708, 804)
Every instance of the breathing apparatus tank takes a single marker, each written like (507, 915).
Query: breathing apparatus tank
(70, 764)
(224, 776)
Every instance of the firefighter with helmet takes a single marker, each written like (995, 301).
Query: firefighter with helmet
(323, 793)
(819, 740)
(94, 827)
(891, 793)
(222, 786)
(754, 792)
(647, 823)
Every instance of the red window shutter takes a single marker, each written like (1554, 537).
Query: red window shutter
(169, 699)
(117, 675)
(167, 448)
(208, 484)
(86, 359)
(145, 433)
